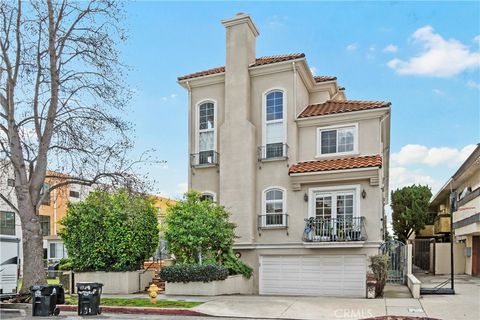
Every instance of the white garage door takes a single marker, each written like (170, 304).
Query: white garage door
(326, 275)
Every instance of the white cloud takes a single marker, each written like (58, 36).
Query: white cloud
(438, 92)
(401, 177)
(276, 21)
(370, 55)
(419, 154)
(313, 70)
(477, 39)
(390, 48)
(440, 57)
(473, 84)
(352, 47)
(171, 96)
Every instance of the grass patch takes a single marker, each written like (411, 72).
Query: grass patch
(49, 281)
(138, 302)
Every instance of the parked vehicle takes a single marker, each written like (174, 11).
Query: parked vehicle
(9, 266)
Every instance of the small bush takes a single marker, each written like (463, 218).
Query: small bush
(379, 267)
(193, 273)
(236, 266)
(65, 264)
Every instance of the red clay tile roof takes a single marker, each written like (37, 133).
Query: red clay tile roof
(274, 59)
(337, 164)
(258, 62)
(324, 78)
(202, 73)
(340, 106)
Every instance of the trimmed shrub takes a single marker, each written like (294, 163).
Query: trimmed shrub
(110, 232)
(379, 267)
(198, 231)
(193, 273)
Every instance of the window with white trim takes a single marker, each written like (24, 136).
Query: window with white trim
(274, 208)
(274, 125)
(339, 140)
(206, 133)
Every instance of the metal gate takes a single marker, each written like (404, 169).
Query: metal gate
(421, 253)
(397, 264)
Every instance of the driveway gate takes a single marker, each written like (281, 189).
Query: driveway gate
(397, 264)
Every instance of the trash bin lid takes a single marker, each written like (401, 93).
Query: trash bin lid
(85, 285)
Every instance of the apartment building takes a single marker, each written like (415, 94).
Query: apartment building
(303, 170)
(460, 197)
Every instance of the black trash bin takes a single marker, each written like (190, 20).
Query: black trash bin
(45, 299)
(89, 294)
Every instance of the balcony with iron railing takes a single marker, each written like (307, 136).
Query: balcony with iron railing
(334, 229)
(204, 159)
(273, 151)
(272, 221)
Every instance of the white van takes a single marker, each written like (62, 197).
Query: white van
(9, 265)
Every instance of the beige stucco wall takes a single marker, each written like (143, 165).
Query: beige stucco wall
(442, 258)
(368, 137)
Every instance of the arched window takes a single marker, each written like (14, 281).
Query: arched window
(274, 135)
(274, 207)
(210, 196)
(206, 133)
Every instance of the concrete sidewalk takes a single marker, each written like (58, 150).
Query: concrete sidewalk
(465, 304)
(318, 308)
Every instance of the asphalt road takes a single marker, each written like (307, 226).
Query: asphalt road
(74, 316)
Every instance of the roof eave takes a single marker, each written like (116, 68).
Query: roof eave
(342, 113)
(308, 173)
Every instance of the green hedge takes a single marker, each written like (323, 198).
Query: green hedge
(193, 273)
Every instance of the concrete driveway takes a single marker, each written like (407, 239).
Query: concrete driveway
(465, 304)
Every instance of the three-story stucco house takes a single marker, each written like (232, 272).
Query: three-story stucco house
(303, 171)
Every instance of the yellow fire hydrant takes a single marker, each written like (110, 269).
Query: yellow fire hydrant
(152, 293)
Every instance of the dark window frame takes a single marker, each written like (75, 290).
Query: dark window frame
(7, 228)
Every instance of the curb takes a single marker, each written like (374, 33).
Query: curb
(140, 310)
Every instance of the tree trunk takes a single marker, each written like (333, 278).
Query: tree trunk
(33, 269)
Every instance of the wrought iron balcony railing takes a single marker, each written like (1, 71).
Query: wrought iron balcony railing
(272, 220)
(334, 229)
(273, 151)
(204, 158)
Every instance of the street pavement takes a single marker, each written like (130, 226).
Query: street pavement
(74, 316)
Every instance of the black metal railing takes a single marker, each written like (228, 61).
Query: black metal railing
(272, 220)
(334, 229)
(273, 151)
(204, 158)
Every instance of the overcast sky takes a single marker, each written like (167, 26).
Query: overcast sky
(424, 57)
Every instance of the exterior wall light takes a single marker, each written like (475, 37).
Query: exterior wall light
(305, 197)
(364, 194)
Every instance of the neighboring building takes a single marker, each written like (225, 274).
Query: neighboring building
(52, 210)
(463, 189)
(303, 171)
(162, 204)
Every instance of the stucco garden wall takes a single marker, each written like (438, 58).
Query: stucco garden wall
(232, 285)
(118, 282)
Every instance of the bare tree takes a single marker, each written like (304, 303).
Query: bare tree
(61, 91)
